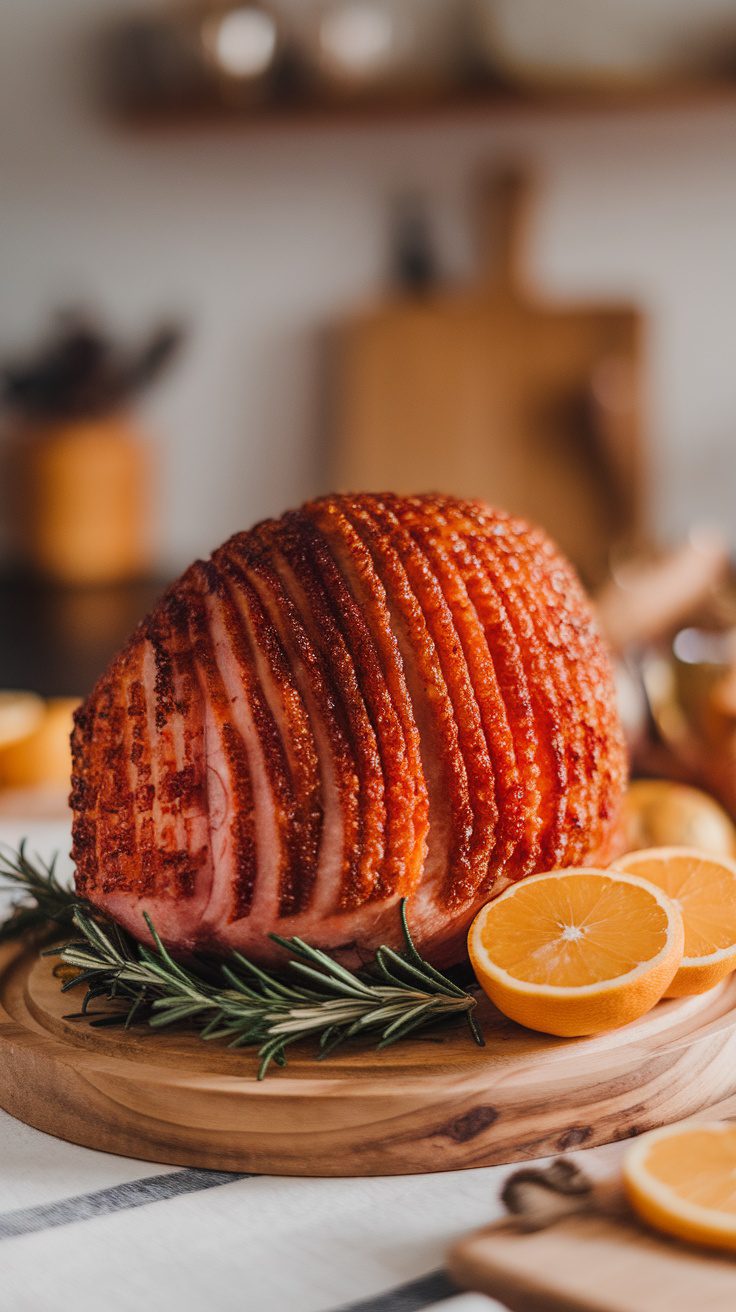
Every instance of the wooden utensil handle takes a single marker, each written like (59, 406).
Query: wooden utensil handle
(505, 211)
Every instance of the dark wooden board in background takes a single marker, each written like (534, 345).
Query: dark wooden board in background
(57, 641)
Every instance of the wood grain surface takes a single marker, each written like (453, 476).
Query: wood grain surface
(432, 1103)
(594, 1264)
(600, 1259)
(495, 390)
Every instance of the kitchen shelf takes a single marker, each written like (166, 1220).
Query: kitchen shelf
(491, 104)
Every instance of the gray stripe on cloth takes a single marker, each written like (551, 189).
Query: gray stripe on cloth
(118, 1198)
(411, 1297)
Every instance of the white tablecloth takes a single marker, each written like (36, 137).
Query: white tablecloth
(88, 1231)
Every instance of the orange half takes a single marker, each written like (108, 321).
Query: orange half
(704, 887)
(682, 1180)
(578, 951)
(20, 714)
(44, 755)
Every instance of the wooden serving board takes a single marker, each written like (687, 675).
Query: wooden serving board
(593, 1263)
(600, 1258)
(433, 1103)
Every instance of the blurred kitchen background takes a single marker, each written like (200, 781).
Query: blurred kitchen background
(250, 252)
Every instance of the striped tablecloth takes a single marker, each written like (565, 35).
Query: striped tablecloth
(89, 1231)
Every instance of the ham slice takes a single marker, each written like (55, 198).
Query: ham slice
(373, 697)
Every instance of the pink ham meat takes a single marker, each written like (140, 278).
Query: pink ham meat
(373, 697)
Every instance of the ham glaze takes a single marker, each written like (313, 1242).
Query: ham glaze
(373, 697)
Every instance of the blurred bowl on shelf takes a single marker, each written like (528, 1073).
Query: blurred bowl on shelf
(355, 49)
(195, 56)
(244, 51)
(603, 44)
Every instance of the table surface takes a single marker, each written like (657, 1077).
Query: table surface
(89, 1230)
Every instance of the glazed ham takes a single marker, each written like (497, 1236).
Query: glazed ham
(370, 698)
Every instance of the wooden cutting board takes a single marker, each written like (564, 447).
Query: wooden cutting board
(432, 1103)
(594, 1264)
(495, 392)
(597, 1261)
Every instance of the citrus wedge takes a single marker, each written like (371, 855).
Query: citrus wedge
(682, 1180)
(20, 714)
(704, 886)
(44, 755)
(659, 813)
(576, 951)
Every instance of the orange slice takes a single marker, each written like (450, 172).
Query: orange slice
(704, 886)
(20, 714)
(682, 1180)
(658, 813)
(576, 951)
(42, 756)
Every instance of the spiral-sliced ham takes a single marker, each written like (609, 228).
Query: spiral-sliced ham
(371, 698)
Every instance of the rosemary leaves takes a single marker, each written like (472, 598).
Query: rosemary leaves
(43, 902)
(316, 998)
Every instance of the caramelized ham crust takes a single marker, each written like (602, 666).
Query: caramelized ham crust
(370, 698)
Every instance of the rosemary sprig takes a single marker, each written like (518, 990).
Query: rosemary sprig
(44, 901)
(320, 999)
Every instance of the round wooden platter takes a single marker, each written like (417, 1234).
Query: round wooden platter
(432, 1103)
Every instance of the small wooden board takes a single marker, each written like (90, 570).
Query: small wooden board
(594, 1262)
(432, 1103)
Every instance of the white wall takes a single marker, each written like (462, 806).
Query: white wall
(260, 240)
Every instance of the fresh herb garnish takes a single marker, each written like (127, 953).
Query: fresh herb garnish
(44, 901)
(398, 994)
